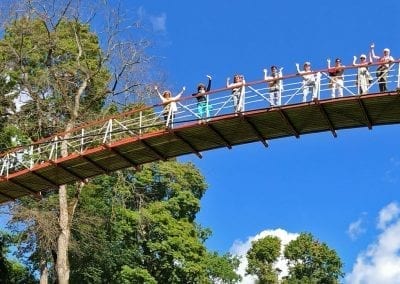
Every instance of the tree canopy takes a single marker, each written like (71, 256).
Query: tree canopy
(261, 258)
(308, 261)
(54, 74)
(133, 226)
(12, 271)
(145, 229)
(57, 74)
(313, 261)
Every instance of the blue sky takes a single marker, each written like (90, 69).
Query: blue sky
(343, 190)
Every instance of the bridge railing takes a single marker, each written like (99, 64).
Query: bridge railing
(135, 123)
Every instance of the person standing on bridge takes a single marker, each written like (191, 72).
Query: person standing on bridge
(202, 100)
(310, 81)
(364, 78)
(238, 92)
(336, 77)
(383, 69)
(170, 107)
(275, 85)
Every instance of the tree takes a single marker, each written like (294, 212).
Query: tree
(311, 261)
(146, 230)
(142, 225)
(37, 225)
(261, 258)
(12, 271)
(56, 67)
(49, 55)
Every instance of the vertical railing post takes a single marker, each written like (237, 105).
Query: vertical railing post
(56, 149)
(108, 132)
(398, 75)
(82, 138)
(318, 85)
(2, 165)
(140, 122)
(7, 164)
(170, 118)
(31, 162)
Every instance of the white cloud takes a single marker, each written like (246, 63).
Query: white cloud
(388, 214)
(392, 174)
(158, 22)
(240, 249)
(356, 228)
(380, 263)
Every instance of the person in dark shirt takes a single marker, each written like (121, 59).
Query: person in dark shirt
(203, 108)
(383, 69)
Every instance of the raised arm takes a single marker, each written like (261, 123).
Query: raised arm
(298, 68)
(158, 93)
(265, 74)
(328, 61)
(374, 56)
(178, 96)
(209, 83)
(354, 61)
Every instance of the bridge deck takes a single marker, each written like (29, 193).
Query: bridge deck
(221, 131)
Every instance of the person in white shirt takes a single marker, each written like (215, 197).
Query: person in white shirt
(238, 92)
(383, 69)
(310, 81)
(364, 78)
(275, 85)
(170, 106)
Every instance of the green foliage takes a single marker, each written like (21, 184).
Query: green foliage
(6, 99)
(261, 257)
(128, 226)
(60, 69)
(56, 61)
(12, 271)
(311, 261)
(12, 136)
(145, 230)
(220, 267)
(35, 222)
(135, 275)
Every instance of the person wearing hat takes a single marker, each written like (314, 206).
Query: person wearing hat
(383, 69)
(202, 100)
(275, 85)
(336, 76)
(364, 78)
(310, 80)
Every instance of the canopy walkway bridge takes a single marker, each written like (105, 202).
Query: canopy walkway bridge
(141, 136)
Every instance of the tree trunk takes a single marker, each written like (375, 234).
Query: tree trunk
(62, 265)
(65, 219)
(44, 272)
